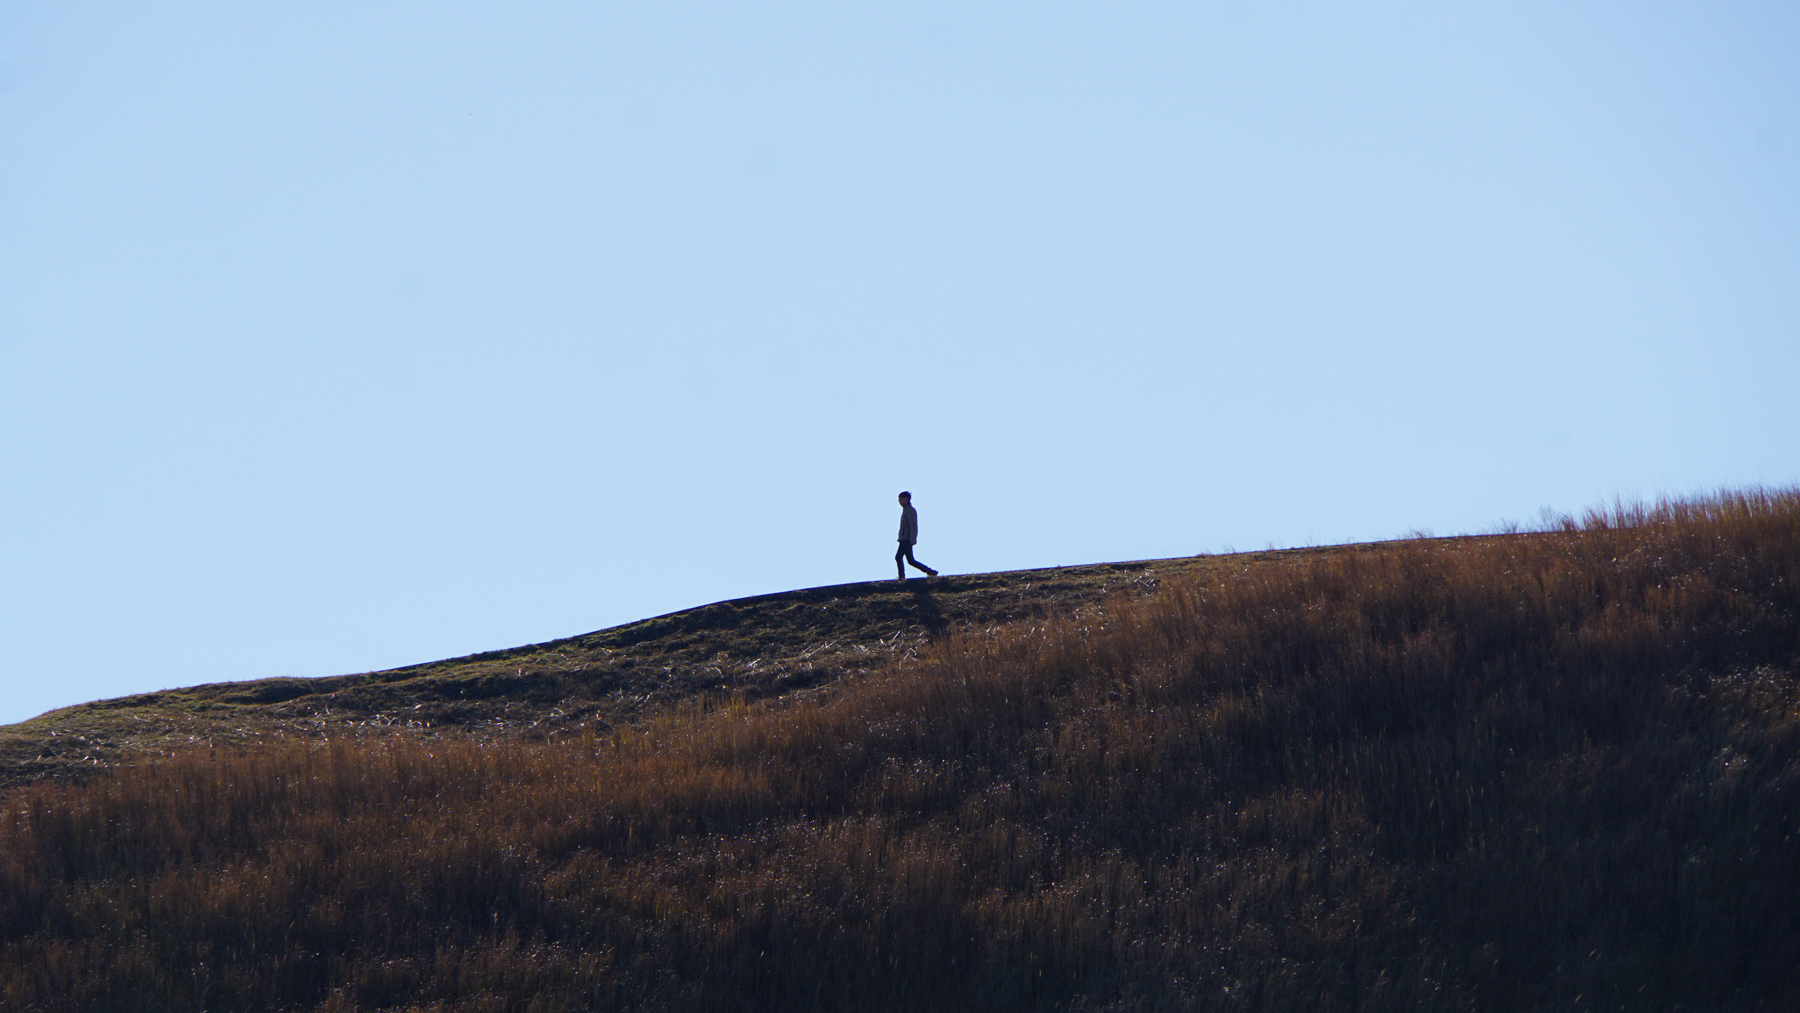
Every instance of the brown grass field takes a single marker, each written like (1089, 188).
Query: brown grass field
(1542, 771)
(784, 644)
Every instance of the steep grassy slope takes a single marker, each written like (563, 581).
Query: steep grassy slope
(1540, 772)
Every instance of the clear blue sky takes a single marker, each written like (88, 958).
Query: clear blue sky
(335, 337)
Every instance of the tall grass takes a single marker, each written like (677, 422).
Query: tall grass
(1556, 770)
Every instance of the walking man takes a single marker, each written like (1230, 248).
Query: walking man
(909, 534)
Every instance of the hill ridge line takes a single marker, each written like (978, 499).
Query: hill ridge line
(769, 644)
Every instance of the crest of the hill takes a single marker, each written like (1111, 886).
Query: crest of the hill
(775, 644)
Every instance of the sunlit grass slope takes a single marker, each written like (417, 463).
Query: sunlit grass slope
(1550, 771)
(767, 645)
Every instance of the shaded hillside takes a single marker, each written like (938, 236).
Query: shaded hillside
(1532, 773)
(760, 646)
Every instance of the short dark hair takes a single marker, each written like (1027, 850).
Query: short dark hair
(908, 495)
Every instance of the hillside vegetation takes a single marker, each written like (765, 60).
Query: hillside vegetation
(769, 645)
(1544, 771)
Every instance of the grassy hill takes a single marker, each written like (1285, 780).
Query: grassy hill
(1546, 771)
(757, 647)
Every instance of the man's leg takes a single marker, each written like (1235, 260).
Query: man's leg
(900, 554)
(906, 550)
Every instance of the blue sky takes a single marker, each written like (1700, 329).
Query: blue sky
(335, 337)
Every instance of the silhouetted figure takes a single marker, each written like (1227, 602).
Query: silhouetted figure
(909, 534)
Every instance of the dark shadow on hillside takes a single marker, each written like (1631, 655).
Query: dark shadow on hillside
(926, 605)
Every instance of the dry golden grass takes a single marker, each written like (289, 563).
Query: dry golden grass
(1555, 770)
(766, 645)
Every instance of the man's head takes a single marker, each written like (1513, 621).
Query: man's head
(906, 499)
